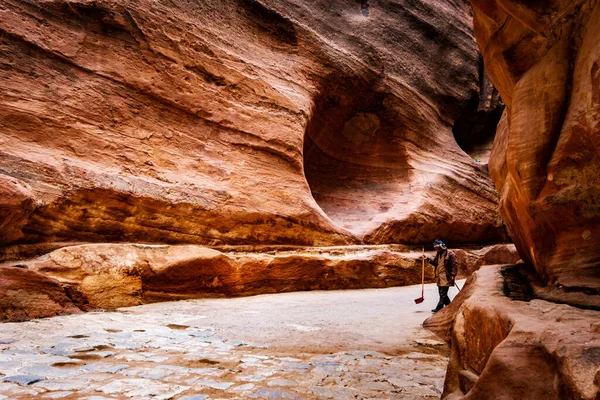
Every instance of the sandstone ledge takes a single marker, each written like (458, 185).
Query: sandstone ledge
(118, 275)
(502, 348)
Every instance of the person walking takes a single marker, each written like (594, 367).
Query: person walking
(445, 271)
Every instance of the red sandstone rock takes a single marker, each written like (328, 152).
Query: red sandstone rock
(119, 275)
(544, 58)
(470, 261)
(116, 275)
(16, 204)
(201, 122)
(503, 348)
(26, 294)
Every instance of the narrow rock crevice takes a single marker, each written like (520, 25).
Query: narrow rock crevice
(475, 128)
(364, 8)
(516, 285)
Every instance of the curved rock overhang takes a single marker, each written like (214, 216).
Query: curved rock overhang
(354, 159)
(124, 122)
(382, 163)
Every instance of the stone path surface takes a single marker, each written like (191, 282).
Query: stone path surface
(355, 344)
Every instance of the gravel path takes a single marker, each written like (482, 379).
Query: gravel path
(354, 344)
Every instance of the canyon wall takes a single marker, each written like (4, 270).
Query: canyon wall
(544, 58)
(530, 331)
(238, 122)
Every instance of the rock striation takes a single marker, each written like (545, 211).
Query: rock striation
(27, 294)
(544, 58)
(238, 122)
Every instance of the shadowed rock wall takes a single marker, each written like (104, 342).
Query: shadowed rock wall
(475, 129)
(544, 58)
(196, 122)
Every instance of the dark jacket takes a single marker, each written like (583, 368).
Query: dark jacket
(449, 266)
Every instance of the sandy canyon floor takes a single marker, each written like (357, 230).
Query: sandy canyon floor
(355, 344)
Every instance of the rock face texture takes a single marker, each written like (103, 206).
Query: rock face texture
(222, 122)
(26, 294)
(469, 261)
(544, 58)
(504, 348)
(119, 275)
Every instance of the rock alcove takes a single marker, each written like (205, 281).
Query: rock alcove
(354, 158)
(375, 161)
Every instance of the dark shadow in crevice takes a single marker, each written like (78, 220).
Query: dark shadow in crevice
(364, 8)
(475, 128)
(578, 297)
(516, 286)
(269, 23)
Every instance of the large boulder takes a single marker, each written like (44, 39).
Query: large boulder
(544, 58)
(222, 122)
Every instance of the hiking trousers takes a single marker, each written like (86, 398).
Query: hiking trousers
(444, 299)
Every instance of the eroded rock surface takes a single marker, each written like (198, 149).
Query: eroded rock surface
(196, 122)
(118, 275)
(16, 204)
(544, 58)
(517, 349)
(469, 261)
(26, 294)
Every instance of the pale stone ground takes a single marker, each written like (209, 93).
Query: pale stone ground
(355, 344)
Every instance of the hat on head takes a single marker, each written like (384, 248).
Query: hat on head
(438, 242)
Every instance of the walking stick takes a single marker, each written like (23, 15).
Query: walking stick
(456, 284)
(420, 299)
